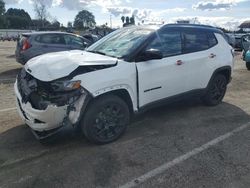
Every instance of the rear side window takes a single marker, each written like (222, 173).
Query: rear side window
(50, 39)
(195, 41)
(212, 41)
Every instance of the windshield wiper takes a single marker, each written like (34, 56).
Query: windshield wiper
(96, 52)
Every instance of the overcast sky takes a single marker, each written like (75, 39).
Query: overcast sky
(225, 13)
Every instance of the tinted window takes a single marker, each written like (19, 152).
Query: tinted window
(195, 41)
(50, 39)
(168, 42)
(212, 41)
(74, 41)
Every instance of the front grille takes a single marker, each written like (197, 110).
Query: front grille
(28, 88)
(23, 80)
(23, 112)
(19, 84)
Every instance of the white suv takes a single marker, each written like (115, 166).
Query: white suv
(126, 72)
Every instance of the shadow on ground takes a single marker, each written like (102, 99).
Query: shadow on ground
(11, 56)
(9, 76)
(177, 118)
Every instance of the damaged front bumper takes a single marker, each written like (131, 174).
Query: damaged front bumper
(46, 122)
(40, 120)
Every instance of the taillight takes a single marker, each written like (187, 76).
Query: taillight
(26, 45)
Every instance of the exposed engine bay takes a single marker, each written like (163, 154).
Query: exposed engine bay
(41, 94)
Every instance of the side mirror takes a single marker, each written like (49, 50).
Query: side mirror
(150, 54)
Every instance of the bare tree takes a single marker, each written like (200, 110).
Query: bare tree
(40, 9)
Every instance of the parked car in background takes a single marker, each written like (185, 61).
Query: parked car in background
(231, 39)
(126, 72)
(247, 59)
(9, 38)
(6, 38)
(238, 45)
(34, 44)
(245, 42)
(91, 37)
(15, 38)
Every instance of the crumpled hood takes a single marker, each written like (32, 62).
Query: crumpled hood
(52, 66)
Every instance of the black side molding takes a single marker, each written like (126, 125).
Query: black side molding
(152, 89)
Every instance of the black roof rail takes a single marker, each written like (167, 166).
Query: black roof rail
(198, 26)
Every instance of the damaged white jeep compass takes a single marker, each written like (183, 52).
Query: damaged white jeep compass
(126, 72)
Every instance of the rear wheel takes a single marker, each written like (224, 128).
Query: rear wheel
(105, 120)
(216, 91)
(248, 65)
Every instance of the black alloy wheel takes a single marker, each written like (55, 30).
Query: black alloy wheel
(105, 120)
(216, 90)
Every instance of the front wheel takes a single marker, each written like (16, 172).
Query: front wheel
(105, 120)
(216, 91)
(248, 65)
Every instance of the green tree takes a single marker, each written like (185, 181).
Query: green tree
(36, 24)
(132, 20)
(123, 19)
(17, 18)
(129, 21)
(2, 11)
(2, 7)
(84, 19)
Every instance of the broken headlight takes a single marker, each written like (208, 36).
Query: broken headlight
(65, 85)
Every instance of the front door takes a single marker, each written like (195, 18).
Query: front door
(160, 79)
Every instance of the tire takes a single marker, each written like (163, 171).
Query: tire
(105, 120)
(248, 65)
(216, 91)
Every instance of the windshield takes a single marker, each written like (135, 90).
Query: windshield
(121, 42)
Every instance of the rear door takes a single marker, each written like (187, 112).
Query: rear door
(201, 56)
(160, 79)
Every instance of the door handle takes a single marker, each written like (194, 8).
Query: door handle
(179, 62)
(212, 55)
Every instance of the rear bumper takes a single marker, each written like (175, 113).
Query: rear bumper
(20, 58)
(40, 120)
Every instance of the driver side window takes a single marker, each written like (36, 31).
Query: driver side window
(168, 42)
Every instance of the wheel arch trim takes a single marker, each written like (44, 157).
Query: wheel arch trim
(220, 70)
(116, 88)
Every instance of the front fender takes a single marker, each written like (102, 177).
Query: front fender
(115, 88)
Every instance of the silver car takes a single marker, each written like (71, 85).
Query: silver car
(34, 44)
